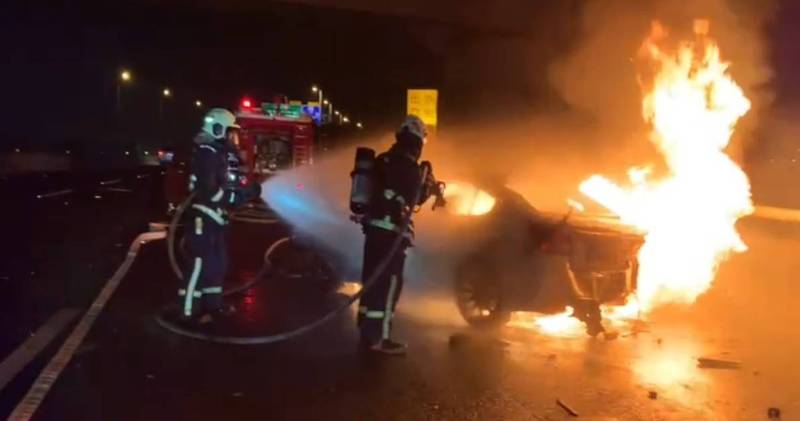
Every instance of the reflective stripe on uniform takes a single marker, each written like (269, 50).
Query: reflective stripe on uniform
(209, 147)
(218, 196)
(387, 317)
(211, 213)
(388, 225)
(371, 314)
(233, 197)
(187, 303)
(212, 290)
(390, 194)
(198, 225)
(384, 223)
(192, 182)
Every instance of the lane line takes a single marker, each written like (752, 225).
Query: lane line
(118, 189)
(32, 346)
(110, 182)
(38, 391)
(54, 194)
(778, 214)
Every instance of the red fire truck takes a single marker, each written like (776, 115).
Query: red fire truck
(276, 135)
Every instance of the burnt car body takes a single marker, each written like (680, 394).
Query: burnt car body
(532, 261)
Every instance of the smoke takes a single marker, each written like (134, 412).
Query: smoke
(542, 150)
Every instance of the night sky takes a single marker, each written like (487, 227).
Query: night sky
(62, 62)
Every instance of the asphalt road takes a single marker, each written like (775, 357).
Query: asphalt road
(129, 368)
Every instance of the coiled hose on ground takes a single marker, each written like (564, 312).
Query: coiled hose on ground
(284, 336)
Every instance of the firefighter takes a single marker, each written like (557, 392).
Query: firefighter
(217, 190)
(397, 179)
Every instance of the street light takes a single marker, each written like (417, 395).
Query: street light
(330, 108)
(317, 90)
(345, 119)
(198, 103)
(125, 76)
(359, 125)
(165, 94)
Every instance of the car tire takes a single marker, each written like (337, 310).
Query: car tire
(478, 295)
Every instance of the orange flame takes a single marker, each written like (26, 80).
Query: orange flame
(466, 199)
(689, 214)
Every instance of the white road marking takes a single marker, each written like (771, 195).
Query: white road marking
(32, 346)
(778, 214)
(38, 391)
(118, 189)
(54, 194)
(110, 182)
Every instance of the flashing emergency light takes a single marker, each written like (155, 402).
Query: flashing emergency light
(247, 103)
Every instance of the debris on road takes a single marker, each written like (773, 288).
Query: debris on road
(567, 408)
(774, 413)
(652, 395)
(610, 335)
(705, 362)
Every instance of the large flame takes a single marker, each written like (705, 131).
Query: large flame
(466, 199)
(689, 214)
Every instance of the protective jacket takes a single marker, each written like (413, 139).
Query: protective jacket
(214, 181)
(398, 179)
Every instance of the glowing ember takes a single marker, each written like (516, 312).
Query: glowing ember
(561, 324)
(466, 199)
(689, 214)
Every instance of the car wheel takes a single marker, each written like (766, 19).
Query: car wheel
(478, 297)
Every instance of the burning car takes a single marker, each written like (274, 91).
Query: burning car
(527, 260)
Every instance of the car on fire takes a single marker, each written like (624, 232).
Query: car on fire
(532, 261)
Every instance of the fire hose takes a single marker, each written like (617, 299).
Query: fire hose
(284, 336)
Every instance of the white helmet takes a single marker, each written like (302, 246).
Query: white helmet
(415, 126)
(217, 122)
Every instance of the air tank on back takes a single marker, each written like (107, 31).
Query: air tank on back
(362, 184)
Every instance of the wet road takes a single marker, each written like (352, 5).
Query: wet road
(129, 368)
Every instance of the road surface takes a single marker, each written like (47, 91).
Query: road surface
(129, 368)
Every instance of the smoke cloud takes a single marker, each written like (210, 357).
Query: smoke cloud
(543, 149)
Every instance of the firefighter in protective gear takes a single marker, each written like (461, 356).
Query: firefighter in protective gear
(216, 190)
(397, 181)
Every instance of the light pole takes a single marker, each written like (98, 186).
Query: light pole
(330, 107)
(338, 114)
(317, 90)
(124, 77)
(166, 93)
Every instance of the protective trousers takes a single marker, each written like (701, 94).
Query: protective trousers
(378, 303)
(206, 267)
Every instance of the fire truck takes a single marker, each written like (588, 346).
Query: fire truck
(276, 135)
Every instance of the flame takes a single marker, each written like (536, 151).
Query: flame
(688, 214)
(466, 199)
(560, 324)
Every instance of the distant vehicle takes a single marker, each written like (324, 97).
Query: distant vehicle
(276, 135)
(526, 260)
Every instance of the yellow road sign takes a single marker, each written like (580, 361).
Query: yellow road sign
(422, 103)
